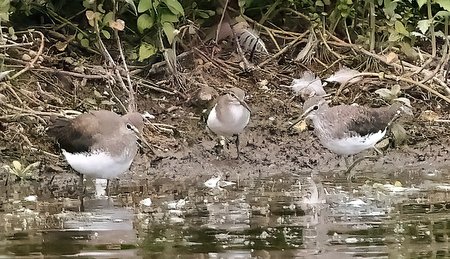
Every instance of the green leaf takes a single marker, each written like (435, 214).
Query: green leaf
(441, 35)
(27, 171)
(17, 165)
(144, 5)
(146, 50)
(444, 4)
(133, 6)
(421, 3)
(174, 6)
(394, 36)
(169, 31)
(319, 3)
(4, 10)
(167, 16)
(145, 21)
(87, 4)
(423, 25)
(100, 8)
(408, 50)
(389, 8)
(242, 3)
(107, 18)
(202, 14)
(106, 34)
(400, 28)
(442, 14)
(84, 43)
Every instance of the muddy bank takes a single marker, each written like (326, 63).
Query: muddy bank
(269, 149)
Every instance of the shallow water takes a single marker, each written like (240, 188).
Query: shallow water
(289, 216)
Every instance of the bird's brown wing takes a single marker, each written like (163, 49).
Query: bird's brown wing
(353, 121)
(77, 135)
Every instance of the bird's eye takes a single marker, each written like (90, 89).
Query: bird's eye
(316, 107)
(129, 126)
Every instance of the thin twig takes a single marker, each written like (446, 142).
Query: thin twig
(396, 78)
(33, 61)
(219, 26)
(131, 95)
(279, 53)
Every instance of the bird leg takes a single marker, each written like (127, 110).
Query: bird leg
(218, 148)
(348, 160)
(237, 146)
(378, 151)
(81, 186)
(349, 168)
(107, 188)
(82, 192)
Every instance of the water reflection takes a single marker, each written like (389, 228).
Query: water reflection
(281, 217)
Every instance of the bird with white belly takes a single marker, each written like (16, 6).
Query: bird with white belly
(230, 115)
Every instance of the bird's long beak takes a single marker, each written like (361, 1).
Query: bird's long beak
(142, 139)
(304, 114)
(243, 103)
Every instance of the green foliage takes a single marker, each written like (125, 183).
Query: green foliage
(4, 10)
(156, 17)
(152, 25)
(23, 173)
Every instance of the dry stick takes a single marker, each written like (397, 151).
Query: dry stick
(69, 73)
(152, 86)
(16, 45)
(33, 61)
(442, 61)
(110, 60)
(132, 102)
(293, 34)
(292, 43)
(8, 86)
(131, 95)
(221, 20)
(410, 67)
(346, 83)
(154, 67)
(273, 39)
(247, 64)
(220, 66)
(297, 13)
(28, 111)
(328, 46)
(40, 150)
(396, 78)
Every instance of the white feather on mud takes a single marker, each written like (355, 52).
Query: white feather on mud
(343, 75)
(250, 40)
(307, 86)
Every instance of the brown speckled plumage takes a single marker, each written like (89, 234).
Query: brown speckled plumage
(90, 131)
(349, 129)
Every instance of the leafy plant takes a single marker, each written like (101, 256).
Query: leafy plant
(22, 172)
(156, 17)
(97, 16)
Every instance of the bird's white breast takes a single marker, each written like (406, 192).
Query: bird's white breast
(232, 122)
(352, 145)
(99, 164)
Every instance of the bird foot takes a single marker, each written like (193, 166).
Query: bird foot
(350, 175)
